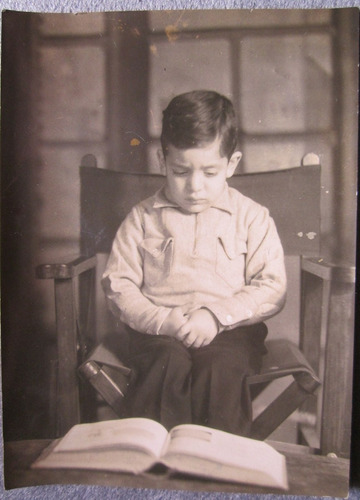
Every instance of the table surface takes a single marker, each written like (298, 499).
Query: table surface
(308, 474)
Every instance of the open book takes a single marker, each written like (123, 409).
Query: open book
(135, 445)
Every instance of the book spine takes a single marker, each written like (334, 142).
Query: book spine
(103, 384)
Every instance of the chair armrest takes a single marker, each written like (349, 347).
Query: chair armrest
(328, 270)
(69, 268)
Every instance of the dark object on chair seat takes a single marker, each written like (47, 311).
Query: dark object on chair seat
(106, 373)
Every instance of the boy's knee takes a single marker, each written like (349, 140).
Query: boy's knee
(175, 364)
(174, 350)
(220, 361)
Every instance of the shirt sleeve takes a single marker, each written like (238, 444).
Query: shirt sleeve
(123, 278)
(264, 292)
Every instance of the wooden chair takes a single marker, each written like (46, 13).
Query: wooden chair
(293, 198)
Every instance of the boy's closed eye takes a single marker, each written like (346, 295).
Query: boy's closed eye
(208, 172)
(180, 173)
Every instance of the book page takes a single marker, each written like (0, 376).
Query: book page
(201, 450)
(135, 433)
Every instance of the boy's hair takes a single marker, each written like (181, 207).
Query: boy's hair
(197, 118)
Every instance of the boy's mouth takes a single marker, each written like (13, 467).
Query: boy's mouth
(196, 200)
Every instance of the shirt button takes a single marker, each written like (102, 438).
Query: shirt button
(229, 318)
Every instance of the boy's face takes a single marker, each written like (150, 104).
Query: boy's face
(196, 178)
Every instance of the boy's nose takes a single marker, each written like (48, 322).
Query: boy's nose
(195, 183)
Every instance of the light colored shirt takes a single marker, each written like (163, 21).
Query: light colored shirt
(227, 259)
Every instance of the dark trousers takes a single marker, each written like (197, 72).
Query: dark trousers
(207, 386)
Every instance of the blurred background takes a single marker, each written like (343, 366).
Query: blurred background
(74, 84)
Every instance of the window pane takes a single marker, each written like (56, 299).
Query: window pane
(286, 83)
(182, 66)
(236, 18)
(72, 88)
(153, 165)
(59, 190)
(318, 79)
(71, 24)
(272, 154)
(275, 153)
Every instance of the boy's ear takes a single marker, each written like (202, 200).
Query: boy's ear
(161, 159)
(233, 163)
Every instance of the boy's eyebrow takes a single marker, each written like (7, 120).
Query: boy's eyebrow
(187, 167)
(181, 165)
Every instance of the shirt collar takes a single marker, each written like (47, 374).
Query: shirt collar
(223, 203)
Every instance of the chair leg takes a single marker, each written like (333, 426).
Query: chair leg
(53, 406)
(68, 388)
(278, 411)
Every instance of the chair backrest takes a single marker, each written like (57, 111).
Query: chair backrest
(292, 197)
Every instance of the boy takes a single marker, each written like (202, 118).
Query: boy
(193, 273)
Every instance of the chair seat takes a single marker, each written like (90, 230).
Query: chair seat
(282, 359)
(285, 358)
(111, 378)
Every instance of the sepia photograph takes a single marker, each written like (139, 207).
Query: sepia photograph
(179, 201)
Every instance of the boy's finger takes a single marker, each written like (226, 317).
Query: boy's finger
(189, 341)
(181, 316)
(198, 343)
(183, 331)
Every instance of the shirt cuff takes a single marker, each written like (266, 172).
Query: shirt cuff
(162, 315)
(225, 318)
(231, 315)
(232, 312)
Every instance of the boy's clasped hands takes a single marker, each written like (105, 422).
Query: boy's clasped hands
(193, 327)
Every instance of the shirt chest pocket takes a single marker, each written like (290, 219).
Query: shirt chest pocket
(230, 261)
(158, 254)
